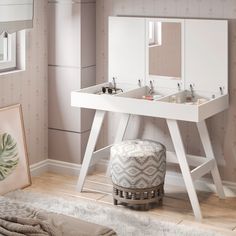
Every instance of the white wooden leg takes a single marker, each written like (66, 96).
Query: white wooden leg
(206, 142)
(181, 156)
(96, 127)
(124, 120)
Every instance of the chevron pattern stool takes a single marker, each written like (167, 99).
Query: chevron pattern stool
(138, 170)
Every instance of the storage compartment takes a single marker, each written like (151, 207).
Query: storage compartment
(169, 104)
(189, 98)
(115, 89)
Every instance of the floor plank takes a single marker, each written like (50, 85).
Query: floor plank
(217, 213)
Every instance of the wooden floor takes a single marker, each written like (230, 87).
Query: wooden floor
(218, 214)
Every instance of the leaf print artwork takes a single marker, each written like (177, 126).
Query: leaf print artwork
(9, 156)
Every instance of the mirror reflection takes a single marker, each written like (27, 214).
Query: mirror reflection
(165, 49)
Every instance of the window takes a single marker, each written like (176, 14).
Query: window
(151, 33)
(7, 51)
(155, 33)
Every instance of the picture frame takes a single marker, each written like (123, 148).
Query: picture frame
(14, 162)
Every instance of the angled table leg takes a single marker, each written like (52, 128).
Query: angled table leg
(182, 159)
(206, 142)
(124, 120)
(96, 127)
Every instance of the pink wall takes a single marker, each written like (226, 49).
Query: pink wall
(29, 87)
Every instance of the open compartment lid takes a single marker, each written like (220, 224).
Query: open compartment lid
(206, 55)
(126, 50)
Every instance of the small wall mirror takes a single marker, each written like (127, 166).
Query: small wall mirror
(164, 49)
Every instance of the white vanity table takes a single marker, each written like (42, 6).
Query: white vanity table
(184, 62)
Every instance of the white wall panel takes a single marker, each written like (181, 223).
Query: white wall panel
(64, 34)
(67, 146)
(88, 76)
(61, 115)
(71, 66)
(88, 36)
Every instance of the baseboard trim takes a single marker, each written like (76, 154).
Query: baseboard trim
(172, 178)
(39, 168)
(63, 167)
(55, 166)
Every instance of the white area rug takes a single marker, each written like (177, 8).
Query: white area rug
(124, 221)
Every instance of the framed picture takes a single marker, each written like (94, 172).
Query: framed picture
(14, 165)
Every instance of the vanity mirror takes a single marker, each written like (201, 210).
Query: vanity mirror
(164, 49)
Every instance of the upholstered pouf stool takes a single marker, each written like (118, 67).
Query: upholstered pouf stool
(138, 170)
